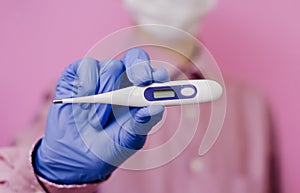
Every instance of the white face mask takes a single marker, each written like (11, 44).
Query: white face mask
(183, 14)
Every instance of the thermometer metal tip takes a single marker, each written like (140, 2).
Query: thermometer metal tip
(57, 101)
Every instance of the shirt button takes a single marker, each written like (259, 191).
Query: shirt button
(190, 112)
(196, 165)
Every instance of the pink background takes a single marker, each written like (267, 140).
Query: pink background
(256, 41)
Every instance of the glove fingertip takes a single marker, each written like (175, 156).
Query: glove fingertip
(160, 74)
(147, 113)
(155, 110)
(135, 53)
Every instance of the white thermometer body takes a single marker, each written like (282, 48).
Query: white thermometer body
(168, 93)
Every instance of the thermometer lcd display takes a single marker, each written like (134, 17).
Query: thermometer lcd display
(158, 94)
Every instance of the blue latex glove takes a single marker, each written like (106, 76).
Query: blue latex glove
(86, 143)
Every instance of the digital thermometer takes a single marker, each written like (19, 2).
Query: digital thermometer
(168, 93)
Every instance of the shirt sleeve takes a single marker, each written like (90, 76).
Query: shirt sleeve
(58, 188)
(16, 168)
(17, 174)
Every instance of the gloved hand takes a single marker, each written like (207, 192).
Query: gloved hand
(87, 142)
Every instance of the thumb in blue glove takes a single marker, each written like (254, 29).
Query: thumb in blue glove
(86, 143)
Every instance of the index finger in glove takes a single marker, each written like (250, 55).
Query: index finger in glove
(79, 79)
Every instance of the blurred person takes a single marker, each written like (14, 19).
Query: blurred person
(240, 161)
